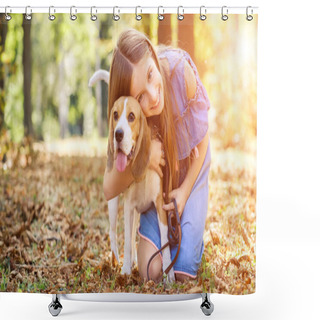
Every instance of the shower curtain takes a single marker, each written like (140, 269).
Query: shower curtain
(196, 84)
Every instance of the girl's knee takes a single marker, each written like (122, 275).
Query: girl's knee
(145, 251)
(155, 269)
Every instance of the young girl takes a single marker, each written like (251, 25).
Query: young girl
(167, 85)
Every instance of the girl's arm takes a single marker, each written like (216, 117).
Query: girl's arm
(182, 193)
(195, 166)
(115, 182)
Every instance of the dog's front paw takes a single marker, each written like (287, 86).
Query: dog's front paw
(115, 257)
(115, 254)
(170, 276)
(125, 270)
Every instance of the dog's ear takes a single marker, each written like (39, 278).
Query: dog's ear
(110, 145)
(142, 151)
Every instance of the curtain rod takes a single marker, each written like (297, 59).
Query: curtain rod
(134, 10)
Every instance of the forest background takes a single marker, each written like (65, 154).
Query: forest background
(53, 148)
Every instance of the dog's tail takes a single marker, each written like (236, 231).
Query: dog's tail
(99, 75)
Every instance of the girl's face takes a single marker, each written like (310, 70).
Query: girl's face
(147, 86)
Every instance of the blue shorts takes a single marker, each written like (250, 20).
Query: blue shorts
(192, 225)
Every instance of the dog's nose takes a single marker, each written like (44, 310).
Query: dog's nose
(119, 135)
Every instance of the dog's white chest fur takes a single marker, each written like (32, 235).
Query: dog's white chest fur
(141, 194)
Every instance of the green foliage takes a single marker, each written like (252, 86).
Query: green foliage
(11, 59)
(65, 54)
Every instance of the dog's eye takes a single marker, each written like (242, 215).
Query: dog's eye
(131, 117)
(115, 116)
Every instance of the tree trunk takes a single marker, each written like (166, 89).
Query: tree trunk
(164, 30)
(147, 25)
(27, 66)
(3, 35)
(63, 101)
(185, 35)
(98, 92)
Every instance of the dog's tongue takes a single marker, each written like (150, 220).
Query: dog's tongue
(121, 161)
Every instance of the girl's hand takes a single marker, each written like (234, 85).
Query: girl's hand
(156, 157)
(181, 197)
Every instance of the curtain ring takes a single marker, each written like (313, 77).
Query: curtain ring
(160, 16)
(203, 15)
(138, 16)
(249, 16)
(73, 17)
(180, 16)
(93, 16)
(115, 17)
(51, 16)
(7, 16)
(28, 15)
(224, 17)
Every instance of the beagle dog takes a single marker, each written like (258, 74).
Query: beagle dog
(129, 142)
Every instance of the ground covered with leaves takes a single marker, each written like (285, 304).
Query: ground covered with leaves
(54, 227)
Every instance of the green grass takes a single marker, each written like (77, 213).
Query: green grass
(37, 287)
(4, 272)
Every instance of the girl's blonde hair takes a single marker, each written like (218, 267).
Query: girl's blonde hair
(131, 47)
